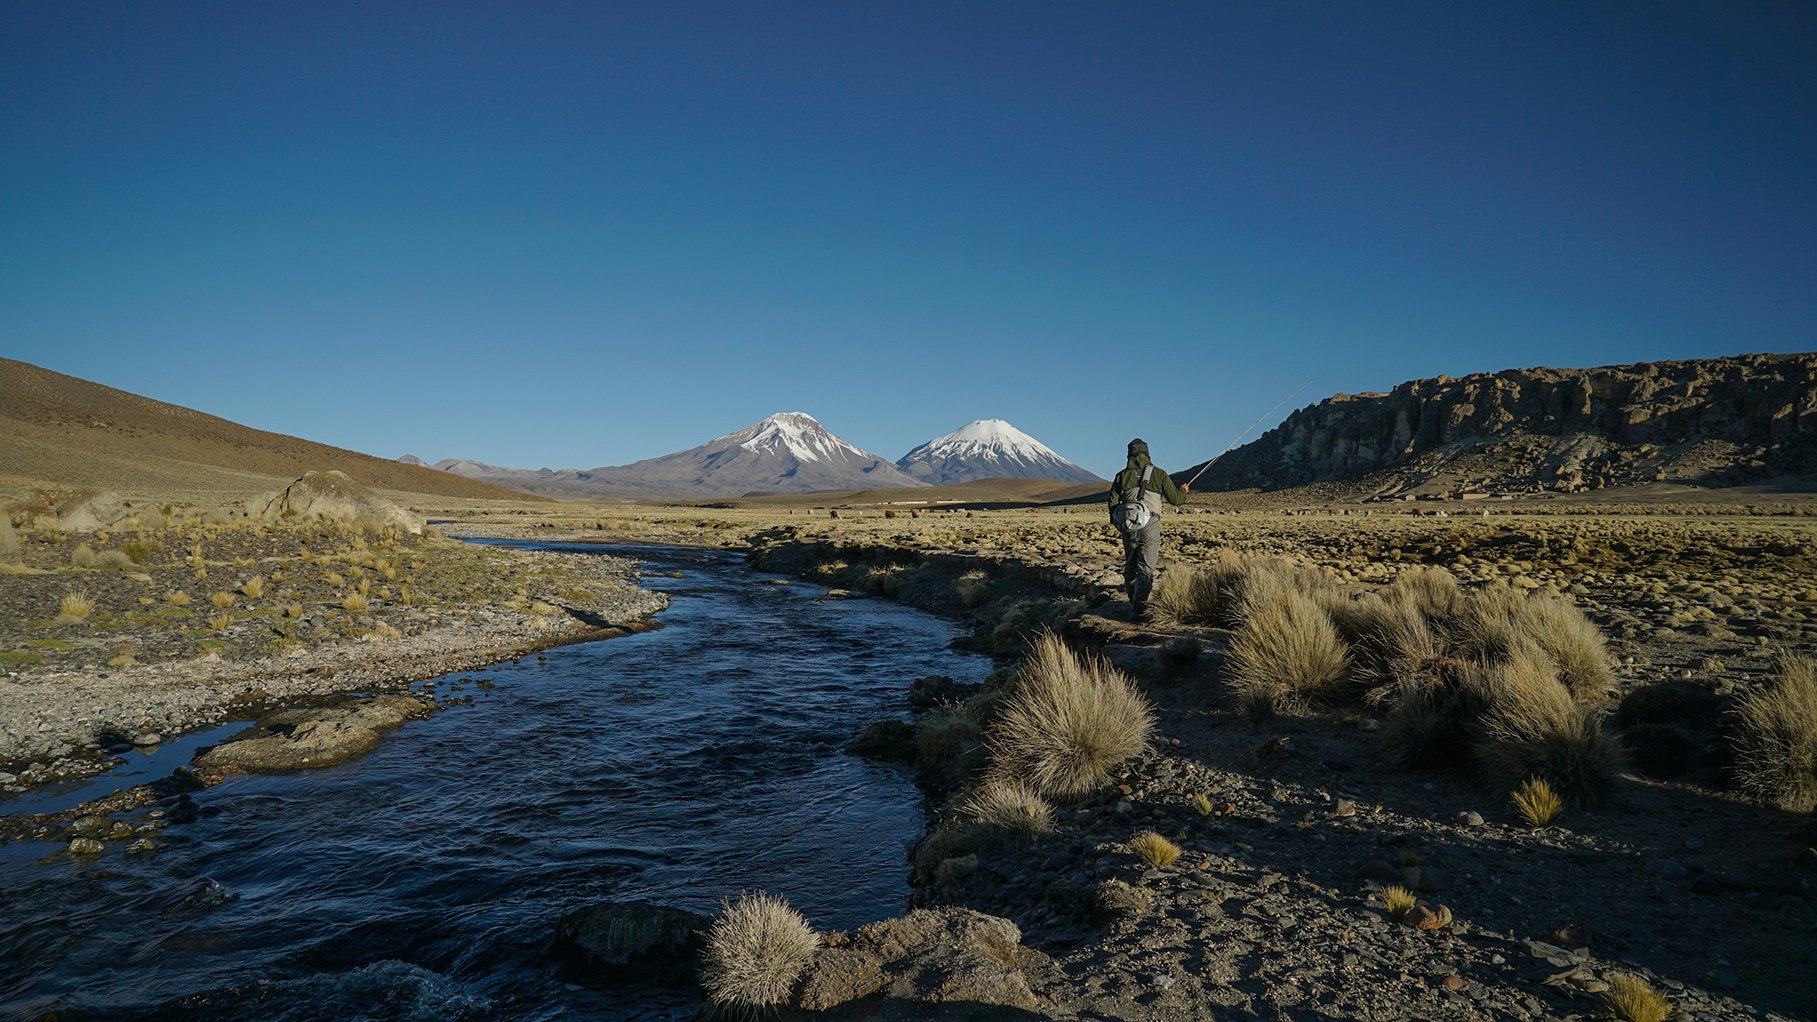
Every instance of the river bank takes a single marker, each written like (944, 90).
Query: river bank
(296, 614)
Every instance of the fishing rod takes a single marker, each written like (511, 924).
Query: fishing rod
(1240, 436)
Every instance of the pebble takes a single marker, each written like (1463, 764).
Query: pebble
(147, 738)
(86, 846)
(1470, 818)
(1344, 807)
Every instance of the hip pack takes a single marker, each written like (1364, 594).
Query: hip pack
(1131, 514)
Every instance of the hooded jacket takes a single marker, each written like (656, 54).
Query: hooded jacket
(1160, 486)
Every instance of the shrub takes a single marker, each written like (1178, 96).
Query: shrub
(1287, 656)
(220, 599)
(138, 550)
(755, 951)
(1069, 719)
(1539, 805)
(1154, 849)
(1632, 999)
(1398, 901)
(1008, 805)
(354, 603)
(1775, 737)
(1533, 728)
(74, 607)
(253, 588)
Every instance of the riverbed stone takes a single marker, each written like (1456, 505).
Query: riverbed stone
(891, 741)
(311, 738)
(631, 939)
(929, 956)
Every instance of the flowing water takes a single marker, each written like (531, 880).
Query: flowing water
(423, 880)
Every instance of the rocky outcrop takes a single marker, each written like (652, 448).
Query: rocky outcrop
(894, 968)
(1709, 422)
(335, 495)
(311, 738)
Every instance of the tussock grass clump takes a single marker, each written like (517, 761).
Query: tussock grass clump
(1574, 643)
(1068, 720)
(1288, 656)
(221, 622)
(74, 608)
(541, 609)
(1632, 999)
(1534, 728)
(1493, 625)
(1266, 581)
(354, 603)
(1386, 637)
(1008, 805)
(1539, 805)
(1154, 849)
(947, 734)
(253, 588)
(220, 599)
(1186, 596)
(1430, 592)
(9, 541)
(755, 951)
(973, 589)
(1200, 803)
(177, 599)
(383, 630)
(294, 611)
(1398, 901)
(83, 556)
(1775, 737)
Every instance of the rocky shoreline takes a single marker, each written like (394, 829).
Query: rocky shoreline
(57, 725)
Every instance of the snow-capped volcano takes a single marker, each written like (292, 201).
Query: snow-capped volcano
(786, 452)
(989, 449)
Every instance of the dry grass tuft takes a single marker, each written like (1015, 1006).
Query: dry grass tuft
(177, 599)
(755, 951)
(220, 622)
(294, 611)
(74, 607)
(541, 609)
(1775, 737)
(83, 556)
(1009, 805)
(382, 630)
(947, 734)
(354, 603)
(1154, 849)
(1574, 643)
(9, 541)
(1069, 719)
(1632, 999)
(1398, 901)
(1534, 728)
(1186, 596)
(220, 599)
(1288, 656)
(1432, 593)
(1200, 803)
(1539, 805)
(253, 588)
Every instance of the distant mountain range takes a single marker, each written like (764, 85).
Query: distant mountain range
(1743, 419)
(989, 449)
(791, 452)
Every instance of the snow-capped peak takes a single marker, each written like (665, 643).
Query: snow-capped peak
(797, 433)
(993, 436)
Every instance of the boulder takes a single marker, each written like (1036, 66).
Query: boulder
(952, 956)
(336, 496)
(631, 940)
(307, 739)
(100, 511)
(889, 741)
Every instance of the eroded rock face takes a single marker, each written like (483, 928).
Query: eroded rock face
(337, 496)
(930, 956)
(1723, 420)
(312, 738)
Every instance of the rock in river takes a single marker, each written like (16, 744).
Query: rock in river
(306, 739)
(631, 940)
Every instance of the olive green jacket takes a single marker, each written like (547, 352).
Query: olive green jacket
(1160, 486)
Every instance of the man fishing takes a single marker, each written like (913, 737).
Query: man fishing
(1136, 497)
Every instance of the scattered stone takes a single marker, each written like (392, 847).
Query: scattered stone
(147, 738)
(1470, 818)
(930, 956)
(86, 846)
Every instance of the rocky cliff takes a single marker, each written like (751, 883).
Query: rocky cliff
(1715, 422)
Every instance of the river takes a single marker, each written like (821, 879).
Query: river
(681, 766)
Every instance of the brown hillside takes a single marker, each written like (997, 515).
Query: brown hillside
(64, 430)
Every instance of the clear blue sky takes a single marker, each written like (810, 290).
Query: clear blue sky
(582, 234)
